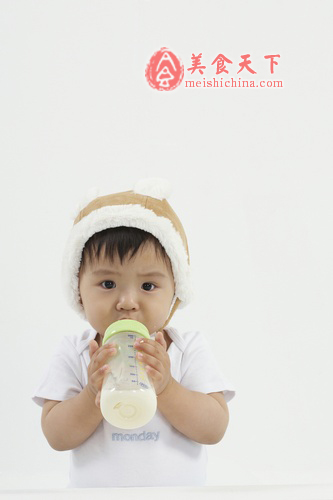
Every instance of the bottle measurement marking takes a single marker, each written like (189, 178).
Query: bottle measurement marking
(134, 372)
(133, 367)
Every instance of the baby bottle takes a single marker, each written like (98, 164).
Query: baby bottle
(128, 398)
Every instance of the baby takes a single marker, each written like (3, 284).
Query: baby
(127, 258)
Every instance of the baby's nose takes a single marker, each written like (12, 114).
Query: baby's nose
(127, 301)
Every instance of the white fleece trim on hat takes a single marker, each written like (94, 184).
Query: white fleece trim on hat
(130, 216)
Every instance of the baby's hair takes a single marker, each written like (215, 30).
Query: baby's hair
(121, 240)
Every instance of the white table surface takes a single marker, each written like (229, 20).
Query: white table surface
(263, 492)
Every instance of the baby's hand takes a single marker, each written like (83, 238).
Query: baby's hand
(97, 368)
(153, 353)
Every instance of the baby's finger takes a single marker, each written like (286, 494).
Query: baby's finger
(159, 337)
(100, 356)
(93, 347)
(104, 353)
(155, 375)
(151, 347)
(97, 377)
(152, 361)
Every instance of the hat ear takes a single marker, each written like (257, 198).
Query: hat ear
(90, 195)
(155, 187)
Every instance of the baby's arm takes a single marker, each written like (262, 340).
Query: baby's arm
(67, 424)
(201, 417)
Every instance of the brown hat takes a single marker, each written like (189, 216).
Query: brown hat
(145, 208)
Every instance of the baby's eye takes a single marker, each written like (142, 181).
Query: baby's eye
(148, 287)
(108, 284)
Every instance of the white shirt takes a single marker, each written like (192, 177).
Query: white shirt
(153, 455)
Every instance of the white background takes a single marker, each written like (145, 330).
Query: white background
(252, 183)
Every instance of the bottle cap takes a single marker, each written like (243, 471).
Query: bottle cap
(125, 325)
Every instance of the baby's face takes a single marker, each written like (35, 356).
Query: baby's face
(141, 289)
